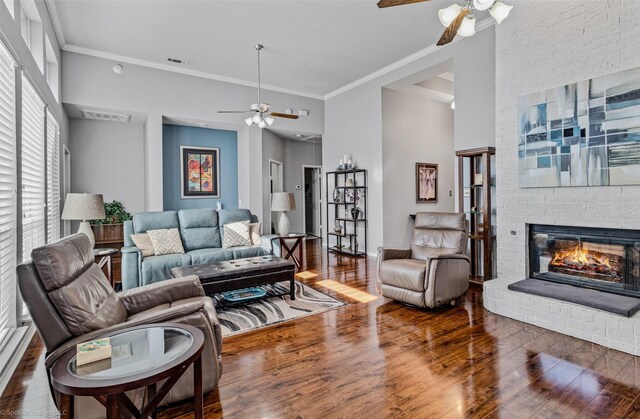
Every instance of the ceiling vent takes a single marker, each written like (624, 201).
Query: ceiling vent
(174, 60)
(106, 116)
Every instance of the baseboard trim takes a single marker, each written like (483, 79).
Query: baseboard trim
(20, 342)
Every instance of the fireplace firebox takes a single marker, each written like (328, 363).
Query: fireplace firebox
(603, 259)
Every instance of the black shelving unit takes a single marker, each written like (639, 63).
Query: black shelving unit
(352, 241)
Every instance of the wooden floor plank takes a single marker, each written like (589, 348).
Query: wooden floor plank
(383, 359)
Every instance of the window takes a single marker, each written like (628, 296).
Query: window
(8, 261)
(51, 68)
(53, 179)
(33, 176)
(32, 32)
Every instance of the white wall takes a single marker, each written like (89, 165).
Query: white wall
(414, 129)
(544, 45)
(272, 149)
(90, 81)
(353, 119)
(106, 158)
(298, 153)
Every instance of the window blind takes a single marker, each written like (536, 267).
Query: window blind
(53, 179)
(32, 170)
(8, 319)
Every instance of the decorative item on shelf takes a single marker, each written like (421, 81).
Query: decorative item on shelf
(474, 210)
(283, 202)
(341, 166)
(355, 213)
(337, 227)
(336, 196)
(84, 206)
(477, 179)
(426, 183)
(349, 183)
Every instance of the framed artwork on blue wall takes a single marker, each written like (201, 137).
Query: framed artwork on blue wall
(200, 172)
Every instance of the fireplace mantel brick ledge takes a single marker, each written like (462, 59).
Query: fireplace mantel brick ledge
(606, 329)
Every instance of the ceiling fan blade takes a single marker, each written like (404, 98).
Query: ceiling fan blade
(452, 29)
(283, 115)
(235, 111)
(389, 3)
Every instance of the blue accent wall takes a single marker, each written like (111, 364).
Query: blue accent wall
(173, 136)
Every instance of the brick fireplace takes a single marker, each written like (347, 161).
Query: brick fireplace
(547, 47)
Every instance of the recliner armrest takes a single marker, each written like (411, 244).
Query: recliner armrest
(385, 253)
(130, 249)
(271, 244)
(448, 256)
(160, 316)
(146, 297)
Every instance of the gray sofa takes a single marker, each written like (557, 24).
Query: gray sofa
(201, 231)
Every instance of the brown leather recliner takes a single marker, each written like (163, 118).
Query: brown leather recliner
(435, 270)
(71, 301)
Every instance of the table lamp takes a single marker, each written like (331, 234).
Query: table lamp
(283, 202)
(84, 206)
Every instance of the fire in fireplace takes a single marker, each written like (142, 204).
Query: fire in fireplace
(604, 259)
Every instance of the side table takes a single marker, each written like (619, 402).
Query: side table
(142, 356)
(104, 257)
(295, 239)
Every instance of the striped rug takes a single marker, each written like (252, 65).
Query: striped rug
(251, 316)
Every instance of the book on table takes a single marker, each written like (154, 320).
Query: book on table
(93, 351)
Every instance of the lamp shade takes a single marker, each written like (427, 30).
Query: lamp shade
(283, 201)
(500, 11)
(468, 27)
(83, 206)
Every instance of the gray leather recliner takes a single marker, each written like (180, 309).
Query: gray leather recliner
(71, 301)
(435, 270)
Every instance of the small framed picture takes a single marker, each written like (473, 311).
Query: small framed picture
(200, 172)
(426, 183)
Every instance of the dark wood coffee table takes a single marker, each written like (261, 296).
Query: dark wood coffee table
(142, 356)
(237, 274)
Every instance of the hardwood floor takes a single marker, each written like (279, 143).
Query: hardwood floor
(377, 358)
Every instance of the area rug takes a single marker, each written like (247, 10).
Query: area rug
(251, 316)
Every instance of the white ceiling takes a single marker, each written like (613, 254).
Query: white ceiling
(311, 46)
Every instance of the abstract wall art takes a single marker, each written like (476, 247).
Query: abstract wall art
(200, 171)
(581, 134)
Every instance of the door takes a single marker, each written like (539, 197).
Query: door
(313, 201)
(276, 185)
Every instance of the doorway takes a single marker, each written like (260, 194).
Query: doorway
(276, 183)
(66, 185)
(312, 202)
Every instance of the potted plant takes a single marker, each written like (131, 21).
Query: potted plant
(109, 229)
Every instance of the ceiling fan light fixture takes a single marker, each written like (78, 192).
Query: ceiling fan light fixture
(269, 120)
(468, 27)
(262, 124)
(448, 15)
(249, 121)
(499, 11)
(483, 4)
(257, 118)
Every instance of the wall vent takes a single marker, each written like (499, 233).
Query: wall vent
(174, 60)
(106, 116)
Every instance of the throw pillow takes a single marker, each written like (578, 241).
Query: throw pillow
(166, 241)
(143, 242)
(236, 234)
(255, 233)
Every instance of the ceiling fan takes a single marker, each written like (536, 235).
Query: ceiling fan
(261, 115)
(459, 18)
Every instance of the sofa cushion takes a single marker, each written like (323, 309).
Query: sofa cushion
(143, 242)
(155, 220)
(209, 255)
(199, 228)
(236, 234)
(248, 252)
(158, 268)
(166, 241)
(404, 273)
(228, 216)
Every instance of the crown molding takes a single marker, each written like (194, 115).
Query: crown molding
(487, 23)
(55, 20)
(165, 67)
